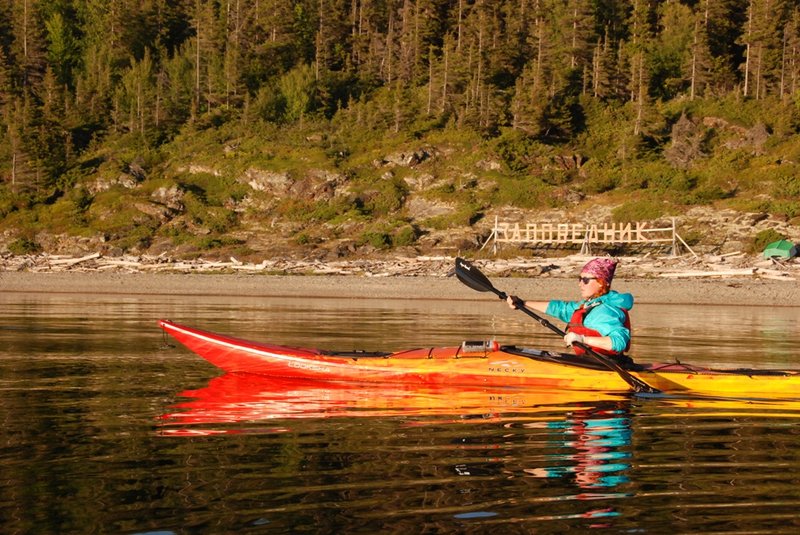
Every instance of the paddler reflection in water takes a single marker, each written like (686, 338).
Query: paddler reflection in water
(600, 319)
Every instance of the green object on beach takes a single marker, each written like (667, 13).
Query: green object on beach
(780, 249)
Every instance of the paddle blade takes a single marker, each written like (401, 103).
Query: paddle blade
(472, 277)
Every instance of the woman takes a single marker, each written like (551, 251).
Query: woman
(600, 319)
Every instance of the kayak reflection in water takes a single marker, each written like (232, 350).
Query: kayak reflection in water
(600, 319)
(599, 439)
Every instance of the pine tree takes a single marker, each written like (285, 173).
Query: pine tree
(670, 54)
(137, 95)
(582, 36)
(62, 53)
(6, 83)
(790, 64)
(765, 46)
(27, 49)
(700, 62)
(333, 37)
(724, 22)
(52, 142)
(22, 173)
(639, 69)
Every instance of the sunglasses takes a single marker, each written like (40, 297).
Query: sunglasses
(586, 280)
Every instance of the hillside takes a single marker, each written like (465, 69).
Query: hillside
(319, 192)
(351, 128)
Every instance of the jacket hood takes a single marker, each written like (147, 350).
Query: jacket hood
(616, 299)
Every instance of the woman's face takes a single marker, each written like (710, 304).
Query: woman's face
(589, 285)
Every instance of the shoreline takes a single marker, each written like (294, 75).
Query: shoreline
(741, 291)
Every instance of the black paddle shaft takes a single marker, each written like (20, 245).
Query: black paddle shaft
(472, 277)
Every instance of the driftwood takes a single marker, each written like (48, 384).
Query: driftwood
(729, 265)
(715, 273)
(73, 261)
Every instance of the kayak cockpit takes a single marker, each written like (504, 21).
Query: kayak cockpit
(475, 350)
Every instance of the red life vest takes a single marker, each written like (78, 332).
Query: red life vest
(576, 326)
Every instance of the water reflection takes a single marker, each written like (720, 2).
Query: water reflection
(245, 399)
(597, 440)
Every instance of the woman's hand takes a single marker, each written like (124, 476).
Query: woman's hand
(515, 302)
(571, 338)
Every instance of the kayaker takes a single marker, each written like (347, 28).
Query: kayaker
(600, 319)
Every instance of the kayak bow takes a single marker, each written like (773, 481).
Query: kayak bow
(476, 364)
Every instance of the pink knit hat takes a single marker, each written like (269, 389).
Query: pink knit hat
(601, 268)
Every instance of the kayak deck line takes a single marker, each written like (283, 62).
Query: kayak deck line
(475, 364)
(751, 372)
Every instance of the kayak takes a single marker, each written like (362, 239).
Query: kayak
(480, 363)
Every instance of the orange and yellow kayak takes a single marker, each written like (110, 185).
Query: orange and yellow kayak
(477, 364)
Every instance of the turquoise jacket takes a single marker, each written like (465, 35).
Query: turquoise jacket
(607, 317)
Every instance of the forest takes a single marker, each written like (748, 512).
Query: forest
(656, 105)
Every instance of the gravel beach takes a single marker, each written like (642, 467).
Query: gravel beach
(747, 291)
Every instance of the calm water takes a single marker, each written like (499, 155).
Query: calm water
(105, 429)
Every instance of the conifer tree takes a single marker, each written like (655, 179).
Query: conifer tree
(137, 94)
(62, 52)
(6, 84)
(638, 45)
(605, 70)
(700, 61)
(582, 36)
(6, 104)
(790, 64)
(333, 36)
(669, 56)
(405, 27)
(27, 47)
(764, 46)
(724, 22)
(21, 171)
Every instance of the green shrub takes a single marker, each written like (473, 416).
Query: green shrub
(641, 210)
(789, 209)
(305, 238)
(749, 205)
(518, 150)
(334, 211)
(693, 237)
(464, 216)
(602, 180)
(764, 238)
(11, 201)
(140, 237)
(215, 218)
(178, 234)
(404, 236)
(787, 187)
(377, 239)
(66, 216)
(213, 190)
(113, 212)
(526, 193)
(219, 219)
(215, 242)
(269, 104)
(22, 246)
(708, 192)
(386, 197)
(658, 176)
